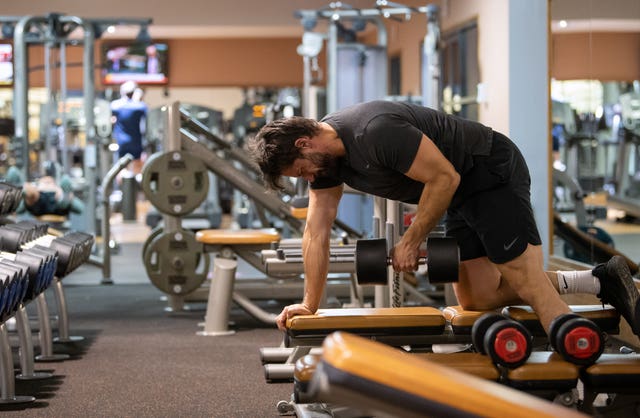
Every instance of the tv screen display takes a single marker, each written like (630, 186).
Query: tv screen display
(144, 64)
(6, 64)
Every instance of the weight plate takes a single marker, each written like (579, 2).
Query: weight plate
(175, 182)
(443, 259)
(480, 327)
(555, 325)
(175, 262)
(579, 341)
(371, 261)
(508, 343)
(154, 233)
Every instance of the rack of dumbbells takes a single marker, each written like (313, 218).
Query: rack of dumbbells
(31, 261)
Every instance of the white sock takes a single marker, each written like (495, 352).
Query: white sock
(578, 282)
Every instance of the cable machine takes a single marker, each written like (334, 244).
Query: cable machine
(55, 32)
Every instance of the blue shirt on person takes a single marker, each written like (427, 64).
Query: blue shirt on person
(127, 129)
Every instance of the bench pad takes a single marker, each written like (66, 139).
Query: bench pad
(239, 236)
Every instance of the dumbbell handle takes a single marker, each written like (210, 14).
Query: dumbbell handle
(421, 260)
(372, 260)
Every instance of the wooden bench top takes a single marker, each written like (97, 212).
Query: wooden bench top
(238, 236)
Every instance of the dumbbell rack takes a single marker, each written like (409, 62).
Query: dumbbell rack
(32, 260)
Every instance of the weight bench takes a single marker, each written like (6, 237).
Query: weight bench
(364, 374)
(605, 317)
(545, 374)
(461, 320)
(244, 243)
(393, 326)
(617, 374)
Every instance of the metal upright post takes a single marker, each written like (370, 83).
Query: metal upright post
(20, 88)
(332, 68)
(173, 142)
(431, 76)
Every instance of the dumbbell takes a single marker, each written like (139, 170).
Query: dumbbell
(40, 266)
(24, 276)
(507, 342)
(72, 249)
(9, 289)
(372, 260)
(578, 340)
(10, 198)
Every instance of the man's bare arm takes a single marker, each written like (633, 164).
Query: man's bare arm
(440, 183)
(323, 208)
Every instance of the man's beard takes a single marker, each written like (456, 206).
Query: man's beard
(326, 164)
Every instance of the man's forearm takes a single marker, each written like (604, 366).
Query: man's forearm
(315, 253)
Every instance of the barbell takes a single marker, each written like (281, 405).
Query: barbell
(372, 260)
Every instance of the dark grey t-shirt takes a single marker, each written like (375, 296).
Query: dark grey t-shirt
(382, 138)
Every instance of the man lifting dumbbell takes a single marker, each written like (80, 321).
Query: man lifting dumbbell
(443, 164)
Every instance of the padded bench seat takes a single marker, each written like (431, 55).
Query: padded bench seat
(617, 374)
(460, 319)
(237, 236)
(364, 374)
(395, 326)
(544, 370)
(613, 373)
(245, 243)
(607, 318)
(475, 364)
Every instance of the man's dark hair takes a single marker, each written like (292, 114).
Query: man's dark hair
(273, 149)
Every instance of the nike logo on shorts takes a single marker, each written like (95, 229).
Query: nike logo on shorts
(508, 246)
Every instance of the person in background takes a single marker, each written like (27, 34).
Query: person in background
(129, 119)
(153, 62)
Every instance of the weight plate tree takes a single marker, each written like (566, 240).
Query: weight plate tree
(175, 182)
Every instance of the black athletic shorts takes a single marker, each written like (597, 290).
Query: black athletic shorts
(491, 213)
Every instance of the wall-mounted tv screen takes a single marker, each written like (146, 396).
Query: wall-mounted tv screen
(142, 63)
(6, 64)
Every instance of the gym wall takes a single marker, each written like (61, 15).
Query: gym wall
(596, 56)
